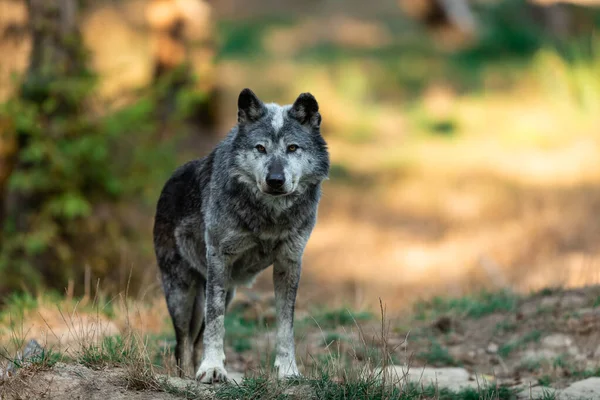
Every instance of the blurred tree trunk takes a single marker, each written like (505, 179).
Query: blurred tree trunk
(13, 30)
(183, 41)
(560, 18)
(439, 14)
(565, 18)
(8, 150)
(56, 53)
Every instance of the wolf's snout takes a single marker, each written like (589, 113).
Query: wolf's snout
(275, 181)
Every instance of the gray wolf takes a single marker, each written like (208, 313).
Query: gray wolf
(220, 220)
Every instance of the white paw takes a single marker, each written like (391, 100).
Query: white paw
(286, 368)
(208, 373)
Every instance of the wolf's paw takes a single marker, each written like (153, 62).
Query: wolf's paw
(211, 374)
(286, 369)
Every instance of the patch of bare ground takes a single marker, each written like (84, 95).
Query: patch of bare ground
(75, 381)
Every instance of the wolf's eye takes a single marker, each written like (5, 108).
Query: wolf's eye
(292, 148)
(261, 148)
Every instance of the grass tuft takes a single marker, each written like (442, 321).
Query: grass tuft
(478, 306)
(437, 355)
(339, 317)
(507, 348)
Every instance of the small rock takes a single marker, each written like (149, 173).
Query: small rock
(454, 338)
(236, 377)
(483, 380)
(31, 350)
(557, 340)
(538, 355)
(300, 392)
(570, 301)
(586, 389)
(492, 348)
(573, 351)
(597, 353)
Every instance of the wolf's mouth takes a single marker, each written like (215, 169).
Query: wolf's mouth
(276, 193)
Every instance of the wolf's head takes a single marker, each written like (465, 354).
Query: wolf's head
(280, 148)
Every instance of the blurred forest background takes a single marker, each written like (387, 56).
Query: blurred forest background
(465, 137)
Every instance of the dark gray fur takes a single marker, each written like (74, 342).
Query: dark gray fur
(220, 220)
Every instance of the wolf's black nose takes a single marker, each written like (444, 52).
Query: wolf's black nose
(275, 181)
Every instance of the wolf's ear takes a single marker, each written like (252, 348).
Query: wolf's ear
(250, 108)
(306, 110)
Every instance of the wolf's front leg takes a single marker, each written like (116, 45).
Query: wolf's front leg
(286, 276)
(212, 368)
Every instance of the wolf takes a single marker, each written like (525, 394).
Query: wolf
(220, 220)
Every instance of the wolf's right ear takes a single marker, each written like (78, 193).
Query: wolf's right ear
(250, 108)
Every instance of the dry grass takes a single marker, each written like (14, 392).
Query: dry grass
(72, 332)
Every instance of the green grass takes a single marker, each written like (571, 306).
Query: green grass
(324, 387)
(545, 380)
(240, 330)
(112, 351)
(47, 358)
(244, 39)
(505, 326)
(507, 348)
(332, 337)
(331, 319)
(190, 391)
(530, 365)
(437, 355)
(477, 306)
(586, 373)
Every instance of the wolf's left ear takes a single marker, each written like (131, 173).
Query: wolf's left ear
(306, 110)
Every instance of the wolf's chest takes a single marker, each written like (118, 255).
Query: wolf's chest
(255, 259)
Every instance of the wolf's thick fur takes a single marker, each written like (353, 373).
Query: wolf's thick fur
(220, 220)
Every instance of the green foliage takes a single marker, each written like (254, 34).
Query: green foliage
(74, 171)
(244, 39)
(508, 31)
(19, 302)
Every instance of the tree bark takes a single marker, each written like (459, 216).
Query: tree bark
(183, 41)
(56, 46)
(56, 54)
